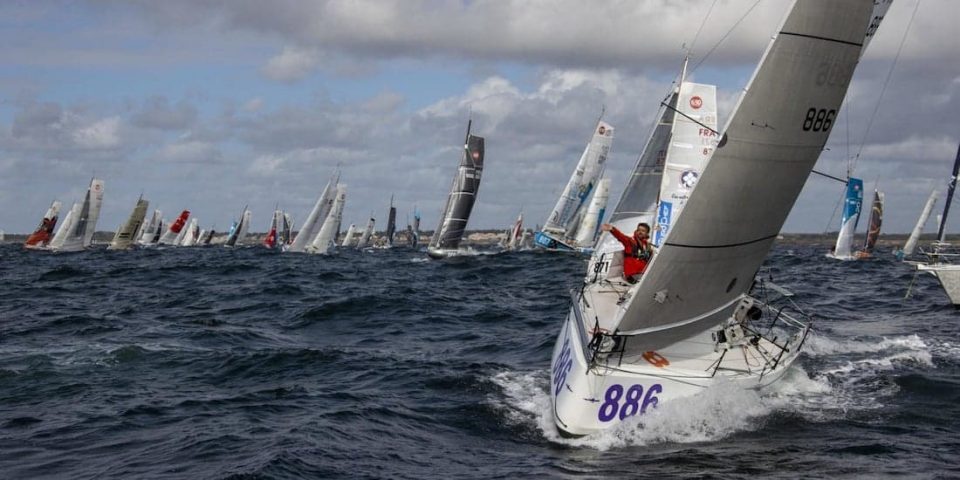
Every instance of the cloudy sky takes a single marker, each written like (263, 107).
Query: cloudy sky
(210, 105)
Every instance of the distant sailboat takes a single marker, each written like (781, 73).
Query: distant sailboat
(911, 245)
(126, 234)
(873, 230)
(463, 193)
(84, 221)
(326, 238)
(852, 204)
(272, 240)
(365, 236)
(415, 230)
(321, 209)
(940, 260)
(348, 237)
(286, 230)
(171, 235)
(41, 237)
(691, 320)
(560, 231)
(391, 224)
(512, 242)
(238, 231)
(150, 229)
(188, 237)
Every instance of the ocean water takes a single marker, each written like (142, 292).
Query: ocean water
(241, 363)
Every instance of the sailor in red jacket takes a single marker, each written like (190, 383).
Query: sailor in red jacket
(637, 250)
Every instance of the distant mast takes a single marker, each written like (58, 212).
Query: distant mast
(941, 233)
(463, 194)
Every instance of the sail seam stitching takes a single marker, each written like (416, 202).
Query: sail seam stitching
(768, 237)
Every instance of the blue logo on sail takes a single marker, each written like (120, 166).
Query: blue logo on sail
(664, 214)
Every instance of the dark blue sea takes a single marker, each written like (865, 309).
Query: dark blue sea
(241, 363)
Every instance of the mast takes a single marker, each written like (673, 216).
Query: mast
(941, 232)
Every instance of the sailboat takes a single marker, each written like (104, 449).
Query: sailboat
(188, 236)
(911, 245)
(238, 231)
(391, 232)
(512, 242)
(171, 235)
(463, 193)
(348, 237)
(940, 259)
(150, 229)
(415, 229)
(83, 223)
(852, 204)
(286, 230)
(40, 238)
(873, 230)
(560, 231)
(272, 240)
(326, 238)
(693, 318)
(124, 237)
(365, 236)
(321, 209)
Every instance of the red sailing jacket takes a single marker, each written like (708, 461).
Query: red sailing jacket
(635, 254)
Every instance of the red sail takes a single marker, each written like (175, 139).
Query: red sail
(41, 237)
(271, 240)
(178, 224)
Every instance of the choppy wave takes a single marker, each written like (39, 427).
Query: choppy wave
(231, 363)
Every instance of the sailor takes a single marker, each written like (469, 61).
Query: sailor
(637, 250)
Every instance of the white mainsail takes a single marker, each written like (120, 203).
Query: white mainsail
(126, 234)
(348, 238)
(150, 230)
(911, 245)
(321, 209)
(68, 223)
(188, 237)
(327, 237)
(84, 220)
(365, 236)
(589, 226)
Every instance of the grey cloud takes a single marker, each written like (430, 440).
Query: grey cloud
(157, 112)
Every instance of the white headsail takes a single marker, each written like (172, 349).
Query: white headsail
(68, 223)
(348, 238)
(590, 225)
(126, 234)
(321, 209)
(327, 236)
(84, 220)
(365, 237)
(911, 245)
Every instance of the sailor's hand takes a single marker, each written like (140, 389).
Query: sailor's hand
(606, 227)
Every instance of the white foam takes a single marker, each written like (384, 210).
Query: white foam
(819, 345)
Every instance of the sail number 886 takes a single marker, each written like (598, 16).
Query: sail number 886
(818, 120)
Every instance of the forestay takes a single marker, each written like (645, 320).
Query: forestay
(762, 161)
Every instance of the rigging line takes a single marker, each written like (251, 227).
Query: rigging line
(725, 35)
(886, 82)
(696, 36)
(833, 215)
(841, 180)
(688, 117)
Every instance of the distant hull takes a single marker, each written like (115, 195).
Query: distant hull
(949, 277)
(550, 243)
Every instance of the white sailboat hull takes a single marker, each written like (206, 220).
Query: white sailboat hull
(949, 277)
(590, 396)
